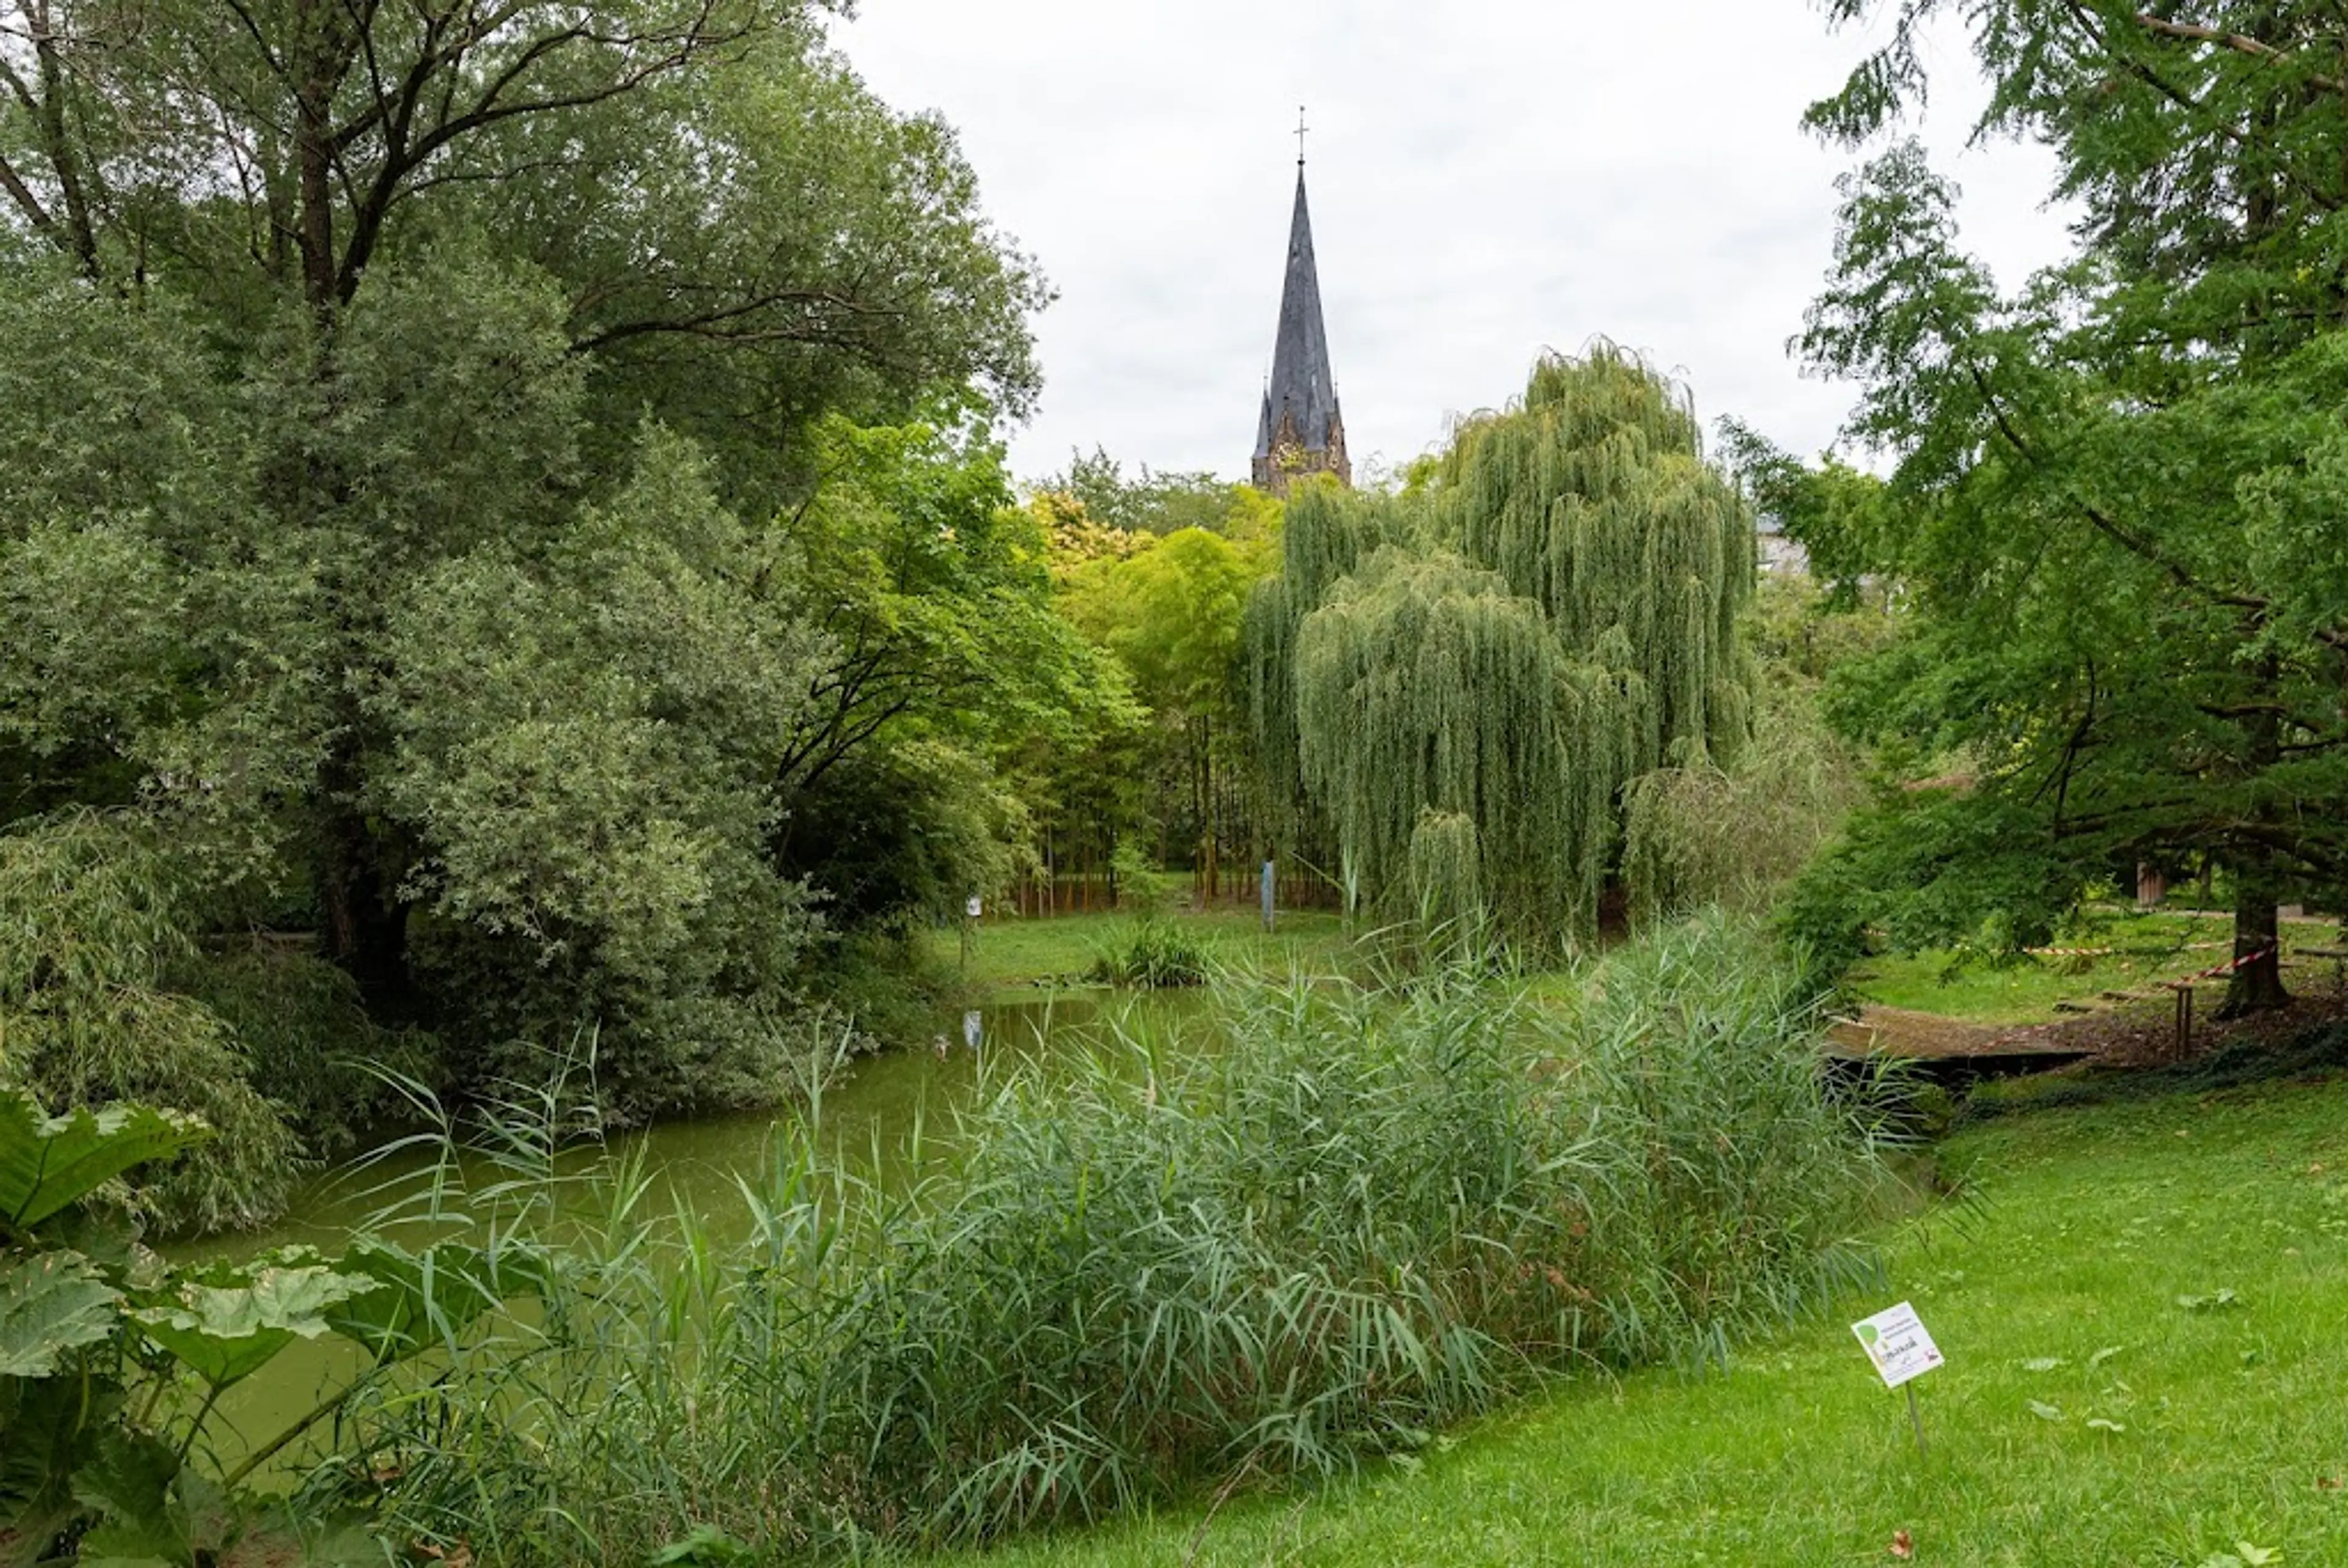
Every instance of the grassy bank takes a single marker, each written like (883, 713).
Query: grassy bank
(2111, 950)
(1365, 1218)
(2143, 1316)
(1013, 955)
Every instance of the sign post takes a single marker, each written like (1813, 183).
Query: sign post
(1270, 887)
(1902, 1350)
(971, 911)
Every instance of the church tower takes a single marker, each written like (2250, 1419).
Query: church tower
(1301, 430)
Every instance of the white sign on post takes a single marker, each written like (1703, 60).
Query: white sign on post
(1898, 1343)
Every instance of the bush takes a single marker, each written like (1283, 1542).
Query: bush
(1154, 954)
(1699, 835)
(96, 947)
(1367, 1216)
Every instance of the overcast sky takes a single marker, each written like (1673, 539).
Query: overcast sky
(1487, 179)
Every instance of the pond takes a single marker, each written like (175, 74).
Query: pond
(867, 1116)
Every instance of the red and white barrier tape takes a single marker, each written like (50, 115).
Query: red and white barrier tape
(2220, 970)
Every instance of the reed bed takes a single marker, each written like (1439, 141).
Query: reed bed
(1371, 1214)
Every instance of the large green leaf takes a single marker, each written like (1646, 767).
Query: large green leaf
(226, 1322)
(127, 1485)
(421, 1297)
(47, 1162)
(50, 1303)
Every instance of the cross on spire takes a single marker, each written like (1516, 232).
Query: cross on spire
(1300, 128)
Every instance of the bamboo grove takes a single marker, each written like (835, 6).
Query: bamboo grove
(1454, 688)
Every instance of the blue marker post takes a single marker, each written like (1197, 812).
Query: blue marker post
(1269, 886)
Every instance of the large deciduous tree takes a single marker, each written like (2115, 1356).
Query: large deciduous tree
(471, 480)
(2117, 490)
(1171, 611)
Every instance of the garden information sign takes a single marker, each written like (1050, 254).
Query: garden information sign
(1898, 1345)
(1903, 1350)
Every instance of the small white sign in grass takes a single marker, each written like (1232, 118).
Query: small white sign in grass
(1901, 1349)
(1898, 1345)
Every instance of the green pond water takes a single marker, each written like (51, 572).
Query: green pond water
(867, 1118)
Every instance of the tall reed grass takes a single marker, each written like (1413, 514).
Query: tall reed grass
(1366, 1215)
(1155, 954)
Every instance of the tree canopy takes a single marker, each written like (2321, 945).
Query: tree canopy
(2115, 496)
(1457, 685)
(484, 492)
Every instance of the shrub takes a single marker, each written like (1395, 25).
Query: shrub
(96, 945)
(1366, 1216)
(1154, 954)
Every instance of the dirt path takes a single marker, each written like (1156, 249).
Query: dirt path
(2125, 1034)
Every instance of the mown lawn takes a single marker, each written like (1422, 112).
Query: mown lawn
(1015, 953)
(2145, 1310)
(2145, 949)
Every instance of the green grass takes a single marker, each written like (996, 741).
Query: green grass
(1365, 1216)
(1019, 953)
(2060, 1286)
(2148, 948)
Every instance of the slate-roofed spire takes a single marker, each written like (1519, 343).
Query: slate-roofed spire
(1300, 429)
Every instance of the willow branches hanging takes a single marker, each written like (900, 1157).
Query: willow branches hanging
(1462, 684)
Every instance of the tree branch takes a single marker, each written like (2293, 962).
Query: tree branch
(22, 194)
(2109, 527)
(2239, 43)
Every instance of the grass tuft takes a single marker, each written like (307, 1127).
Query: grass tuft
(1154, 954)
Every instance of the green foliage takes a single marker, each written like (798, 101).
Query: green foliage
(2109, 485)
(226, 1323)
(1929, 866)
(1171, 608)
(463, 544)
(51, 1304)
(1159, 503)
(1425, 689)
(1593, 498)
(303, 1032)
(49, 1163)
(1367, 1216)
(949, 667)
(96, 932)
(899, 837)
(584, 743)
(1171, 612)
(1155, 954)
(1701, 834)
(1503, 650)
(1839, 515)
(111, 1363)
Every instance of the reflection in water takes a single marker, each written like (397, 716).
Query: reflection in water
(883, 1117)
(868, 1117)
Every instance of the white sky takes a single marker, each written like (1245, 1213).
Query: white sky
(1487, 177)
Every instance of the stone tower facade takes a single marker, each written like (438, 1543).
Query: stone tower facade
(1301, 430)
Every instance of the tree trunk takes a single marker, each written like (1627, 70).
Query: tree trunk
(366, 925)
(2257, 985)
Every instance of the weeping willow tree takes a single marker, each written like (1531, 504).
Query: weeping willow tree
(1593, 497)
(1461, 687)
(1430, 697)
(1326, 533)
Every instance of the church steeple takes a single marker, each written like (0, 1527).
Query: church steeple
(1300, 429)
